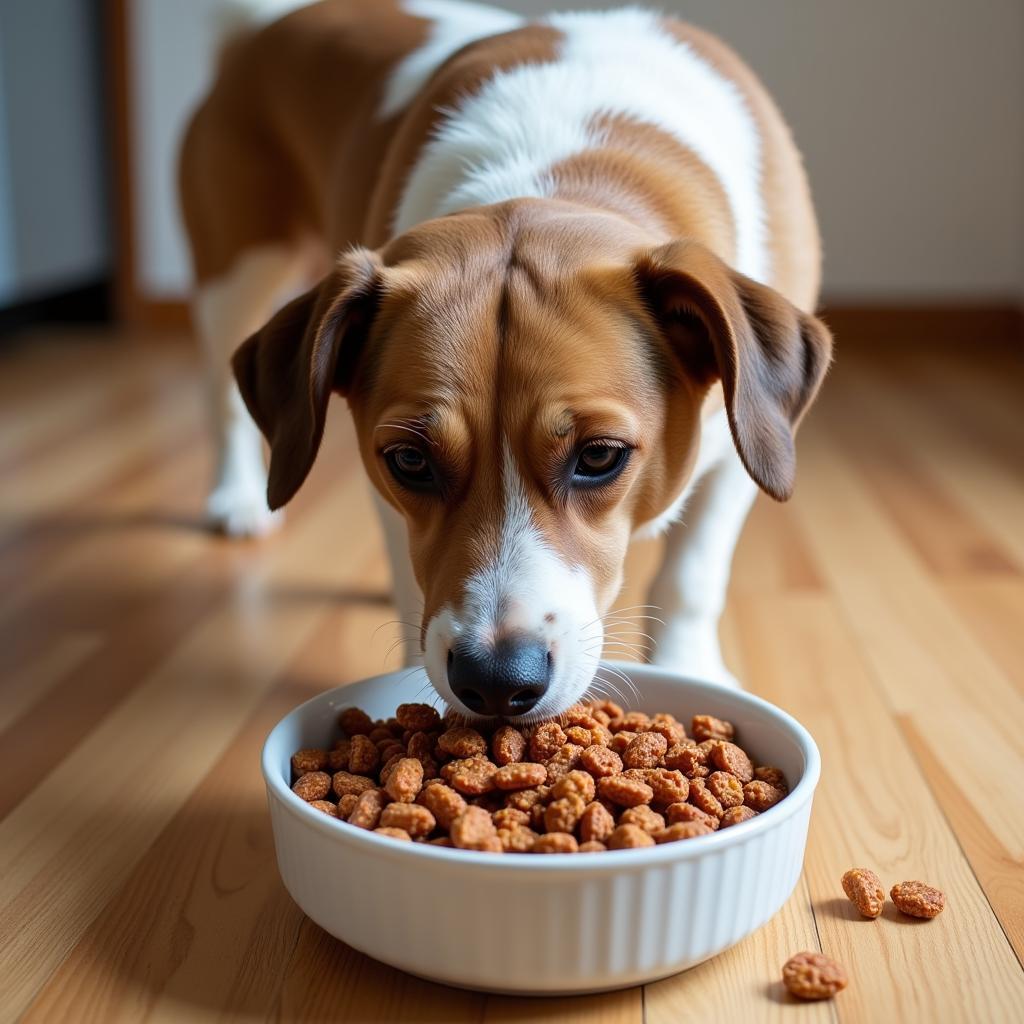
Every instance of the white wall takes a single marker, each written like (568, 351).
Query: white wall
(54, 231)
(909, 113)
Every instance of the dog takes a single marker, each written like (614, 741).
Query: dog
(563, 271)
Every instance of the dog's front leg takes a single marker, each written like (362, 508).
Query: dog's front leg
(690, 586)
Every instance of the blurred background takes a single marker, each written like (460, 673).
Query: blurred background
(909, 115)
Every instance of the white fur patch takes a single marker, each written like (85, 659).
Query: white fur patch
(716, 444)
(226, 311)
(501, 142)
(455, 25)
(527, 589)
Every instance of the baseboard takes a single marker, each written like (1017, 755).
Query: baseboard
(945, 325)
(851, 323)
(88, 303)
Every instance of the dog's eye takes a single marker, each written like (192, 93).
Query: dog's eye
(410, 467)
(599, 462)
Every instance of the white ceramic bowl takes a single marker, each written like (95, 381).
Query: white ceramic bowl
(544, 925)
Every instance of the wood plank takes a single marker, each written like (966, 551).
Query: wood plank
(223, 944)
(983, 468)
(24, 684)
(994, 612)
(745, 982)
(623, 1007)
(65, 848)
(883, 605)
(874, 809)
(929, 665)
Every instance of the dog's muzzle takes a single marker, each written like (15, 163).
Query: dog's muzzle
(507, 679)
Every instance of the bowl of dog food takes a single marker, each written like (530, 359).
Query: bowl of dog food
(608, 848)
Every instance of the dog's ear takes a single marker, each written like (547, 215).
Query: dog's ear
(287, 371)
(770, 356)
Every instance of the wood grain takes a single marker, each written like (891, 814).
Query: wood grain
(142, 663)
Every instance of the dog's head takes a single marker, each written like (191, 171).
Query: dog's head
(527, 383)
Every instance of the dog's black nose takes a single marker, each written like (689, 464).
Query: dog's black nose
(508, 679)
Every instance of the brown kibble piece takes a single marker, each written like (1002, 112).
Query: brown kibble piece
(621, 740)
(675, 813)
(707, 727)
(363, 757)
(312, 786)
(346, 782)
(562, 815)
(389, 766)
(729, 758)
(736, 816)
(578, 735)
(462, 742)
(596, 823)
(773, 776)
(600, 761)
(326, 806)
(643, 817)
(472, 775)
(760, 796)
(917, 899)
(405, 780)
(629, 837)
(645, 751)
(625, 792)
(346, 804)
(508, 745)
(555, 842)
(726, 788)
(337, 759)
(367, 811)
(681, 830)
(312, 760)
(510, 817)
(669, 786)
(813, 976)
(702, 798)
(575, 783)
(546, 741)
(472, 829)
(355, 722)
(394, 833)
(443, 802)
(413, 818)
(864, 888)
(417, 717)
(520, 775)
(691, 761)
(592, 846)
(518, 839)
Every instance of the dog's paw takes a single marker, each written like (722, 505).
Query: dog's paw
(241, 512)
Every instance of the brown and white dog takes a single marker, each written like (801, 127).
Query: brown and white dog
(572, 300)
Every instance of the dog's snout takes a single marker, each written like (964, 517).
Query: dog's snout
(508, 679)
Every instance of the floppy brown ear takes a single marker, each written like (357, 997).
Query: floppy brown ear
(287, 371)
(770, 356)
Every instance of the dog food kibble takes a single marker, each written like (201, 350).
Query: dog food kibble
(917, 899)
(596, 779)
(312, 786)
(813, 976)
(864, 888)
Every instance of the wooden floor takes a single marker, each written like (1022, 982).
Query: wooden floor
(143, 661)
